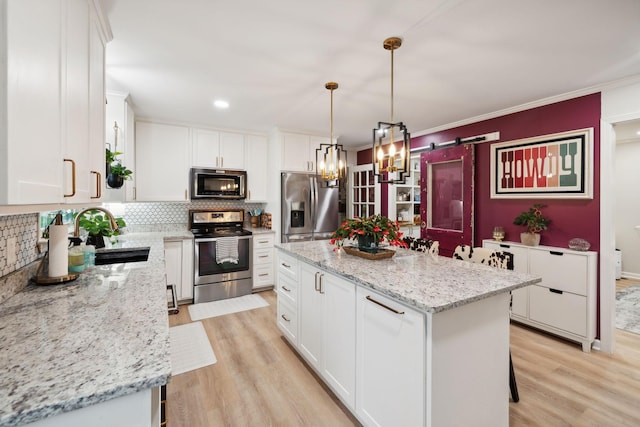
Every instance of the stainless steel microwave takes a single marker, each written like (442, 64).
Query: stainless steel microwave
(218, 184)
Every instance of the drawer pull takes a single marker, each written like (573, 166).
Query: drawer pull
(502, 245)
(556, 291)
(556, 253)
(263, 256)
(263, 274)
(384, 305)
(285, 318)
(286, 289)
(286, 265)
(263, 241)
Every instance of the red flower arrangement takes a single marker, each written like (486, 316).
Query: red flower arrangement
(377, 227)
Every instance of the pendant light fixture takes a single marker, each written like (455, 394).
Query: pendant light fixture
(392, 166)
(331, 159)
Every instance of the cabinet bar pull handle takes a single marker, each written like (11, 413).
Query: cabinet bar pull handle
(502, 245)
(556, 253)
(285, 318)
(73, 178)
(263, 274)
(98, 185)
(286, 289)
(315, 285)
(263, 241)
(556, 291)
(384, 305)
(286, 265)
(263, 256)
(322, 283)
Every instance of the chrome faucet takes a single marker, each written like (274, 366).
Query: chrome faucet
(112, 220)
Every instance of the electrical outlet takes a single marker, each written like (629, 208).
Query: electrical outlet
(12, 251)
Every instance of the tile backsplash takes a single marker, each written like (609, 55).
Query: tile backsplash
(168, 212)
(24, 229)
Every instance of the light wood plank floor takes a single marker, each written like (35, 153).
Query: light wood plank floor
(260, 381)
(625, 283)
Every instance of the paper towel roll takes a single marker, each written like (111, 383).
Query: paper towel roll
(58, 258)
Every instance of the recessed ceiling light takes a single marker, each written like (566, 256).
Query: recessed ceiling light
(638, 132)
(219, 103)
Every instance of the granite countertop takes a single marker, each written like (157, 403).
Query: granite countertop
(429, 284)
(102, 336)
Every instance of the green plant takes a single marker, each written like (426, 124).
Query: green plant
(118, 169)
(96, 223)
(115, 166)
(378, 227)
(533, 219)
(110, 156)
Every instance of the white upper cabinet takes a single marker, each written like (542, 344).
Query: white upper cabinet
(257, 151)
(31, 126)
(97, 107)
(46, 128)
(215, 149)
(299, 151)
(162, 165)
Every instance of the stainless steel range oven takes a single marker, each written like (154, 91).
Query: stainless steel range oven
(222, 254)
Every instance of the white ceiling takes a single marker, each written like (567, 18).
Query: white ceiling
(271, 59)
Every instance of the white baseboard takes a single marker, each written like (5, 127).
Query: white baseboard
(629, 275)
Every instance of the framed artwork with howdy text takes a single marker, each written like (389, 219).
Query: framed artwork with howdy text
(544, 167)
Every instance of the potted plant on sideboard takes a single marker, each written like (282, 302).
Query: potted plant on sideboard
(535, 223)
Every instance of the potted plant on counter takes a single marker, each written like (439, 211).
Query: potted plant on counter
(535, 223)
(369, 232)
(98, 226)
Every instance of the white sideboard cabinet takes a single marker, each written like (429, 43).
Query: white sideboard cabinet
(564, 303)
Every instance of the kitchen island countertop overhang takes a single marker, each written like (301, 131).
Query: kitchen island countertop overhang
(427, 283)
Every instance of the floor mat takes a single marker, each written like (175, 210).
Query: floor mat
(190, 348)
(628, 309)
(226, 306)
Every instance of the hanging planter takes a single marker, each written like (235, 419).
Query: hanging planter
(116, 173)
(115, 181)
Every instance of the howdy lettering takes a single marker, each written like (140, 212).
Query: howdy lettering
(544, 166)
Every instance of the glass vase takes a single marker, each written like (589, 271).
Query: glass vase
(367, 243)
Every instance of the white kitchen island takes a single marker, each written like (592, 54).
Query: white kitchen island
(413, 340)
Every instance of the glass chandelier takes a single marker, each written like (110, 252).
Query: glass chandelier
(331, 159)
(392, 166)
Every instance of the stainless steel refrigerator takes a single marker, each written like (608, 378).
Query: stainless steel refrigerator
(309, 208)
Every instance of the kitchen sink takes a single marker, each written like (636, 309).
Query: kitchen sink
(118, 255)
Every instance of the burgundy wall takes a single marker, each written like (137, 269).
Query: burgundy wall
(569, 218)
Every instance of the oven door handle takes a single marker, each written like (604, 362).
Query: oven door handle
(213, 239)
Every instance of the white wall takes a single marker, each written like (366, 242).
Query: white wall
(627, 206)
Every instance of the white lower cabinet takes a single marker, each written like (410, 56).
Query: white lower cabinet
(327, 328)
(564, 303)
(393, 365)
(287, 273)
(263, 257)
(137, 409)
(178, 259)
(390, 375)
